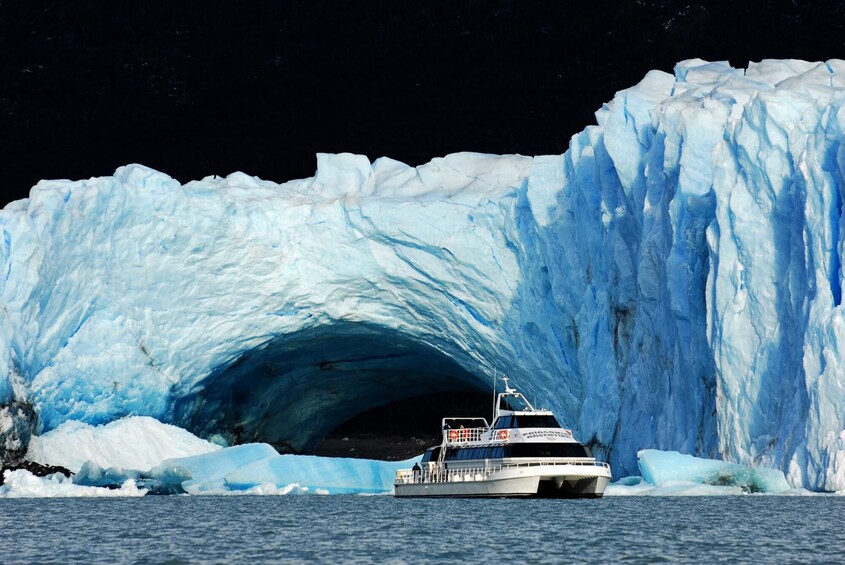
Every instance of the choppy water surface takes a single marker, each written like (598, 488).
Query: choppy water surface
(178, 529)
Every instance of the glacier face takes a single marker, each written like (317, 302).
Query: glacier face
(673, 281)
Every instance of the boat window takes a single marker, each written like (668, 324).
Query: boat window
(431, 454)
(513, 402)
(504, 422)
(547, 450)
(536, 421)
(473, 453)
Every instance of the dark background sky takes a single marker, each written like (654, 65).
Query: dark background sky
(199, 88)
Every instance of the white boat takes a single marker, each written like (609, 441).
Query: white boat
(524, 453)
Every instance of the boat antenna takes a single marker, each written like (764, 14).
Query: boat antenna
(507, 385)
(494, 397)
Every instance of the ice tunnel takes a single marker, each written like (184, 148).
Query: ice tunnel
(296, 389)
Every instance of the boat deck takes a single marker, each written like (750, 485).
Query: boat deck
(482, 473)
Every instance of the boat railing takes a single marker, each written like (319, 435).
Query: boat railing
(463, 435)
(439, 474)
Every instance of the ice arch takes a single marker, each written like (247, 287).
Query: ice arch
(211, 304)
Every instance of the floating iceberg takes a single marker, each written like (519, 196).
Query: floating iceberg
(669, 473)
(166, 459)
(643, 488)
(23, 484)
(673, 280)
(254, 467)
(662, 468)
(137, 442)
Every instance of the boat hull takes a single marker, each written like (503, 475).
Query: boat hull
(530, 482)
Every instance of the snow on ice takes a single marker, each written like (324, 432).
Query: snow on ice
(674, 281)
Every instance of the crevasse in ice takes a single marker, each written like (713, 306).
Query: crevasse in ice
(672, 281)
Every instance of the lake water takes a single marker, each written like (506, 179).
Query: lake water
(364, 529)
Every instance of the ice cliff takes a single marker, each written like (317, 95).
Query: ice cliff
(672, 281)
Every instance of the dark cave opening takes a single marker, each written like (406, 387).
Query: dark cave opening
(305, 392)
(402, 429)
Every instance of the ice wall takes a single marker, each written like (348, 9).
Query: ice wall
(673, 281)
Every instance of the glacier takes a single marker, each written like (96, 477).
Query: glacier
(673, 281)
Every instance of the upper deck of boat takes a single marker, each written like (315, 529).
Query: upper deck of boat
(515, 420)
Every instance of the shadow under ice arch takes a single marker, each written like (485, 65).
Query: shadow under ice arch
(295, 389)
